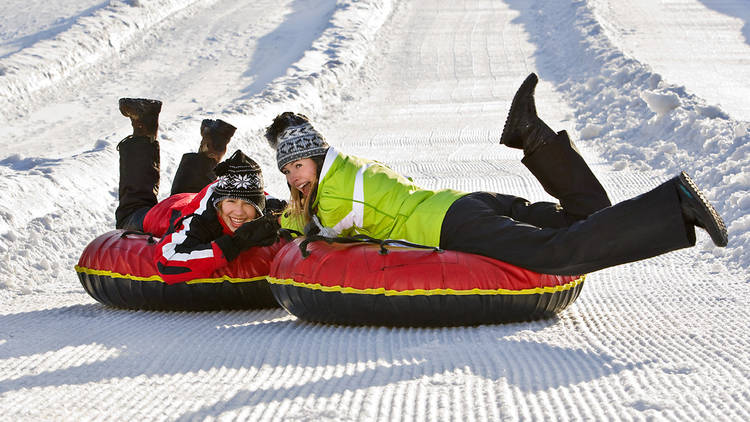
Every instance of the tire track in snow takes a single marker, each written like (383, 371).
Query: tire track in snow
(472, 165)
(163, 366)
(663, 336)
(647, 31)
(91, 40)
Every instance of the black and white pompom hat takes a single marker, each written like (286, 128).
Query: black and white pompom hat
(239, 177)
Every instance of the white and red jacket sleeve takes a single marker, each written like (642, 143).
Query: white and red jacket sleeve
(191, 252)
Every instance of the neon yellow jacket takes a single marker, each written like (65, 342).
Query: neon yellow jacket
(359, 196)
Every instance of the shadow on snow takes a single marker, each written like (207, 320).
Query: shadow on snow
(737, 9)
(281, 48)
(266, 342)
(61, 25)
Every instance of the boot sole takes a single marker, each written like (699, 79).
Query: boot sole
(715, 226)
(533, 80)
(135, 108)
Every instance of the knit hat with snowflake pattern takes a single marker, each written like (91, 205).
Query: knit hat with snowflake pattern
(239, 177)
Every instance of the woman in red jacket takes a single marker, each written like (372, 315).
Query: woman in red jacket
(206, 222)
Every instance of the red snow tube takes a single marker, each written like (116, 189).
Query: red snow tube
(118, 270)
(358, 284)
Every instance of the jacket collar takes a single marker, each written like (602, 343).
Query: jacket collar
(327, 163)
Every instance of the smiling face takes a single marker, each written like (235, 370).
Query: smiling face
(301, 174)
(236, 212)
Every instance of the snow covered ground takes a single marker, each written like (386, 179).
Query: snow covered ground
(648, 88)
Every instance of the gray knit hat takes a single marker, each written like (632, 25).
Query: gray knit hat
(239, 177)
(294, 138)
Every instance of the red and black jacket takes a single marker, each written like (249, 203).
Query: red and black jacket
(192, 233)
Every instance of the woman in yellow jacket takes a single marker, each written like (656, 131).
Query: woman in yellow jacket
(336, 194)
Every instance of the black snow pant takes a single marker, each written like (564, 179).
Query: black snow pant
(139, 179)
(583, 233)
(194, 173)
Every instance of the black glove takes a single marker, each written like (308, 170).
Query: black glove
(263, 231)
(311, 229)
(275, 205)
(314, 227)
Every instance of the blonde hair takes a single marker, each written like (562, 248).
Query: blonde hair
(299, 208)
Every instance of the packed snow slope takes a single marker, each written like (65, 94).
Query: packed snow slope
(647, 89)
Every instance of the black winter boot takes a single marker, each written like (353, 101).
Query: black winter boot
(215, 137)
(523, 128)
(196, 170)
(143, 114)
(139, 180)
(696, 210)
